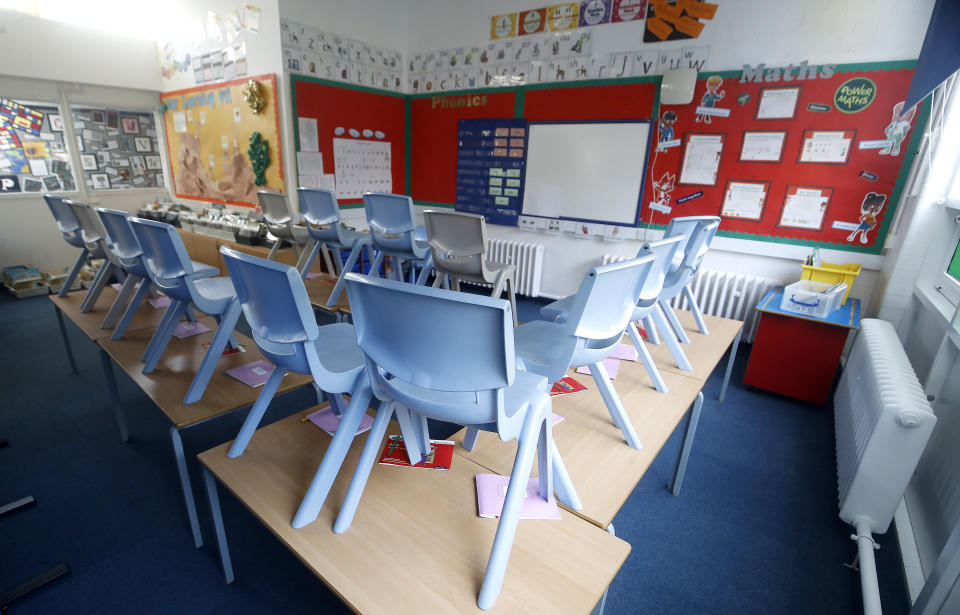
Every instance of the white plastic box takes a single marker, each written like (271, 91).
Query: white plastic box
(810, 299)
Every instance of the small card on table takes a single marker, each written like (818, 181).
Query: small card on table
(492, 493)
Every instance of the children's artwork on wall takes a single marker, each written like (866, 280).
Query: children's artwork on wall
(870, 208)
(33, 154)
(113, 153)
(671, 20)
(201, 167)
(897, 129)
(130, 125)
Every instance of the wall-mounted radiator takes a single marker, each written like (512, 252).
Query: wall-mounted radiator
(724, 294)
(882, 422)
(528, 258)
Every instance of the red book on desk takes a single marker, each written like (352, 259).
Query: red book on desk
(395, 454)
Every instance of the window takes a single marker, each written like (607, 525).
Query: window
(118, 149)
(33, 154)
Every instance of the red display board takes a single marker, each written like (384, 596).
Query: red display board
(336, 105)
(617, 101)
(844, 147)
(433, 138)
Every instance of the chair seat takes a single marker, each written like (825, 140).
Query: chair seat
(350, 238)
(536, 348)
(215, 294)
(74, 239)
(558, 310)
(203, 270)
(339, 354)
(299, 234)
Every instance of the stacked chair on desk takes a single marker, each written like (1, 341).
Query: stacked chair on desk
(279, 220)
(128, 252)
(172, 271)
(320, 209)
(70, 229)
(700, 231)
(95, 241)
(458, 243)
(412, 364)
(395, 234)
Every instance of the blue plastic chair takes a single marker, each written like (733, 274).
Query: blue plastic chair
(279, 221)
(322, 215)
(97, 246)
(70, 229)
(450, 356)
(647, 307)
(700, 231)
(394, 234)
(171, 270)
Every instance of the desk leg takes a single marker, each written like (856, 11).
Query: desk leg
(185, 485)
(733, 357)
(603, 599)
(66, 340)
(691, 431)
(114, 395)
(222, 547)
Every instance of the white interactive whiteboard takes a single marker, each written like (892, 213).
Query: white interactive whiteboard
(590, 171)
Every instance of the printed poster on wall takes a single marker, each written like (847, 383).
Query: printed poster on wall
(532, 21)
(594, 12)
(362, 166)
(210, 131)
(628, 10)
(503, 26)
(562, 17)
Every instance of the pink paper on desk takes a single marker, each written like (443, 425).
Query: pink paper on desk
(612, 365)
(556, 418)
(326, 420)
(627, 352)
(160, 302)
(492, 492)
(253, 374)
(313, 274)
(189, 329)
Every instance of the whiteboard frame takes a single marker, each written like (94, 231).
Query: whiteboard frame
(643, 171)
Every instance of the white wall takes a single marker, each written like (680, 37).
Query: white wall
(743, 32)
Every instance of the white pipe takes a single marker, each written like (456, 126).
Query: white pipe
(868, 569)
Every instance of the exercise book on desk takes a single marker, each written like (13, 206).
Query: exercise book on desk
(327, 420)
(439, 458)
(492, 492)
(565, 386)
(189, 329)
(612, 366)
(252, 374)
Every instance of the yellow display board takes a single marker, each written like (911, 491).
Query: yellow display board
(209, 130)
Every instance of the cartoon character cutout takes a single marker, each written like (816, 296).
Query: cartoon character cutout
(898, 128)
(666, 123)
(711, 96)
(662, 189)
(869, 210)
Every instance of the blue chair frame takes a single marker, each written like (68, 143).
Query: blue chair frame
(394, 233)
(70, 229)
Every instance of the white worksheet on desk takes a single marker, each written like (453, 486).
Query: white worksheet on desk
(362, 166)
(701, 160)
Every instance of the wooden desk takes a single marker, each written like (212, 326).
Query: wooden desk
(704, 351)
(146, 316)
(319, 289)
(798, 355)
(416, 544)
(168, 383)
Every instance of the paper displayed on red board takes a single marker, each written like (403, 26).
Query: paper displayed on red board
(327, 420)
(189, 329)
(395, 454)
(612, 365)
(492, 492)
(627, 352)
(565, 386)
(253, 374)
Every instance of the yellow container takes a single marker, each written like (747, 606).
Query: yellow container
(833, 273)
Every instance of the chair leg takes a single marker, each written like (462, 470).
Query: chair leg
(103, 276)
(333, 459)
(362, 473)
(566, 492)
(652, 370)
(116, 309)
(224, 334)
(338, 288)
(253, 419)
(162, 337)
(651, 330)
(470, 438)
(511, 296)
(412, 437)
(189, 314)
(334, 265)
(77, 266)
(668, 338)
(307, 258)
(274, 249)
(296, 249)
(455, 283)
(695, 308)
(614, 406)
(131, 310)
(154, 340)
(545, 460)
(674, 322)
(427, 268)
(505, 280)
(232, 342)
(439, 280)
(375, 264)
(510, 516)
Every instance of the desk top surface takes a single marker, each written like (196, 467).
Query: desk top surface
(168, 383)
(147, 316)
(319, 289)
(416, 543)
(847, 315)
(703, 351)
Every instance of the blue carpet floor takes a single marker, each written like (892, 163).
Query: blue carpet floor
(755, 530)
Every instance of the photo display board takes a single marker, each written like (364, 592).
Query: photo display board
(817, 158)
(490, 161)
(33, 149)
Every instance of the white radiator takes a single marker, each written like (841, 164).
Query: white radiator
(724, 294)
(882, 423)
(528, 258)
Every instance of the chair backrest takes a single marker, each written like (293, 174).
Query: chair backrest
(432, 339)
(689, 225)
(606, 299)
(125, 244)
(320, 208)
(62, 213)
(90, 226)
(275, 208)
(391, 220)
(273, 297)
(164, 254)
(663, 251)
(458, 241)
